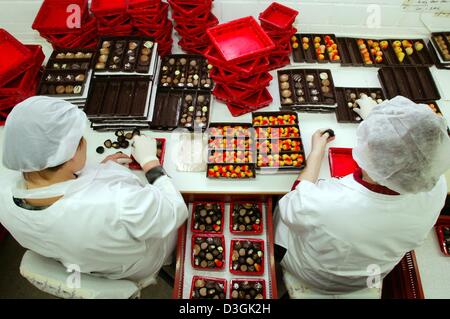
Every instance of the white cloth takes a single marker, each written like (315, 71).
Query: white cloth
(42, 132)
(403, 146)
(109, 222)
(338, 231)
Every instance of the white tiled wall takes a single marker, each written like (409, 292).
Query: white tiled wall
(341, 17)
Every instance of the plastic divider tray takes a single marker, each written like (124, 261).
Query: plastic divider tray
(341, 161)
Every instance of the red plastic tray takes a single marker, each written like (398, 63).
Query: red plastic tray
(440, 234)
(189, 10)
(223, 252)
(19, 58)
(112, 21)
(253, 82)
(106, 7)
(219, 280)
(278, 16)
(24, 83)
(341, 162)
(52, 16)
(193, 2)
(222, 208)
(235, 93)
(255, 273)
(150, 12)
(240, 40)
(144, 4)
(135, 165)
(253, 232)
(261, 281)
(199, 19)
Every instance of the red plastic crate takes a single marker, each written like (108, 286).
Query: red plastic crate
(222, 238)
(208, 23)
(143, 4)
(246, 232)
(219, 280)
(149, 12)
(240, 40)
(197, 231)
(235, 92)
(106, 7)
(256, 273)
(18, 56)
(254, 82)
(135, 165)
(24, 83)
(52, 16)
(278, 16)
(199, 19)
(189, 10)
(192, 2)
(261, 281)
(341, 161)
(113, 21)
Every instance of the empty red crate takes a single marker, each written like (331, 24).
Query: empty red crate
(240, 40)
(18, 57)
(54, 14)
(341, 161)
(112, 21)
(108, 7)
(143, 4)
(189, 10)
(22, 84)
(278, 16)
(253, 82)
(200, 19)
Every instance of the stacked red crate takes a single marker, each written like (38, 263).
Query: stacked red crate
(150, 18)
(66, 24)
(112, 17)
(240, 55)
(192, 19)
(277, 21)
(20, 76)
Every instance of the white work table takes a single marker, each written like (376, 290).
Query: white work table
(434, 268)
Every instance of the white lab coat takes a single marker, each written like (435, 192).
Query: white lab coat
(109, 222)
(337, 232)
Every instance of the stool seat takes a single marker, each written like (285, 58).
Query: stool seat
(298, 290)
(50, 276)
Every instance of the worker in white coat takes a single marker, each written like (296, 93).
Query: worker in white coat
(101, 218)
(340, 233)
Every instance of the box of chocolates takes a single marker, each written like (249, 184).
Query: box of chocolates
(311, 48)
(306, 87)
(441, 43)
(208, 288)
(207, 217)
(126, 55)
(247, 257)
(189, 109)
(346, 100)
(185, 71)
(247, 289)
(208, 252)
(246, 218)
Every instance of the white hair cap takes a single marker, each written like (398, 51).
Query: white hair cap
(404, 146)
(42, 132)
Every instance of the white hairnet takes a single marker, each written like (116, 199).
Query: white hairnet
(42, 132)
(403, 146)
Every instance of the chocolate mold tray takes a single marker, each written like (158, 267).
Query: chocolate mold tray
(307, 51)
(346, 98)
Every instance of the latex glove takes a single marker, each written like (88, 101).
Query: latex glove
(366, 105)
(143, 149)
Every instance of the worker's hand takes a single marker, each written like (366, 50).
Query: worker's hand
(366, 105)
(319, 141)
(119, 158)
(143, 149)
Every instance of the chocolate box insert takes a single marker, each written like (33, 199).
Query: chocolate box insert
(63, 83)
(346, 99)
(312, 48)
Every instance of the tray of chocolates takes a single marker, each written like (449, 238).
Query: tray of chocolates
(246, 218)
(208, 288)
(117, 97)
(415, 83)
(185, 71)
(278, 142)
(207, 217)
(406, 52)
(306, 87)
(64, 83)
(346, 100)
(311, 48)
(441, 43)
(208, 252)
(125, 56)
(188, 109)
(231, 151)
(443, 234)
(247, 257)
(247, 289)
